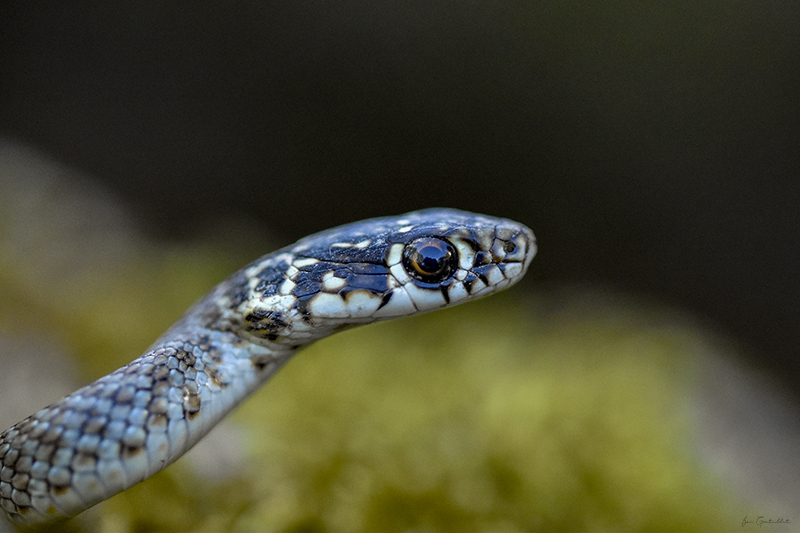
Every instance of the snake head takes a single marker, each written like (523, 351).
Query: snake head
(381, 268)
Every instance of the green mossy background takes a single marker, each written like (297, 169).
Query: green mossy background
(567, 410)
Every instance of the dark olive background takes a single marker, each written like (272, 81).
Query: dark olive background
(652, 147)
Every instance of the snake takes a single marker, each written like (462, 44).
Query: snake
(133, 422)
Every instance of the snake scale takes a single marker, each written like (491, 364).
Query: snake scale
(135, 421)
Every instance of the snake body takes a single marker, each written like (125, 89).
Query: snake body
(130, 424)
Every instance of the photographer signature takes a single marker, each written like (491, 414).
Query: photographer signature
(761, 521)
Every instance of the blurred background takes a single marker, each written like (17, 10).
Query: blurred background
(150, 149)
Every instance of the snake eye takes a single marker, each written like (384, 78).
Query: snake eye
(430, 260)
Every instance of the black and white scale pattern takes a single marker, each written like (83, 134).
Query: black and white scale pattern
(128, 425)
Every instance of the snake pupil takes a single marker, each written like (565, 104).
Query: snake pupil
(430, 260)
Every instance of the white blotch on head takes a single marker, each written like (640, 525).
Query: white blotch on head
(291, 272)
(466, 255)
(287, 287)
(276, 302)
(425, 299)
(362, 303)
(305, 261)
(361, 245)
(395, 254)
(332, 283)
(457, 292)
(328, 305)
(400, 274)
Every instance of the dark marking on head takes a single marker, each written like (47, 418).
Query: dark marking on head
(367, 268)
(377, 284)
(267, 324)
(315, 271)
(271, 277)
(482, 272)
(269, 284)
(469, 281)
(306, 287)
(302, 306)
(238, 297)
(386, 297)
(483, 258)
(470, 241)
(373, 253)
